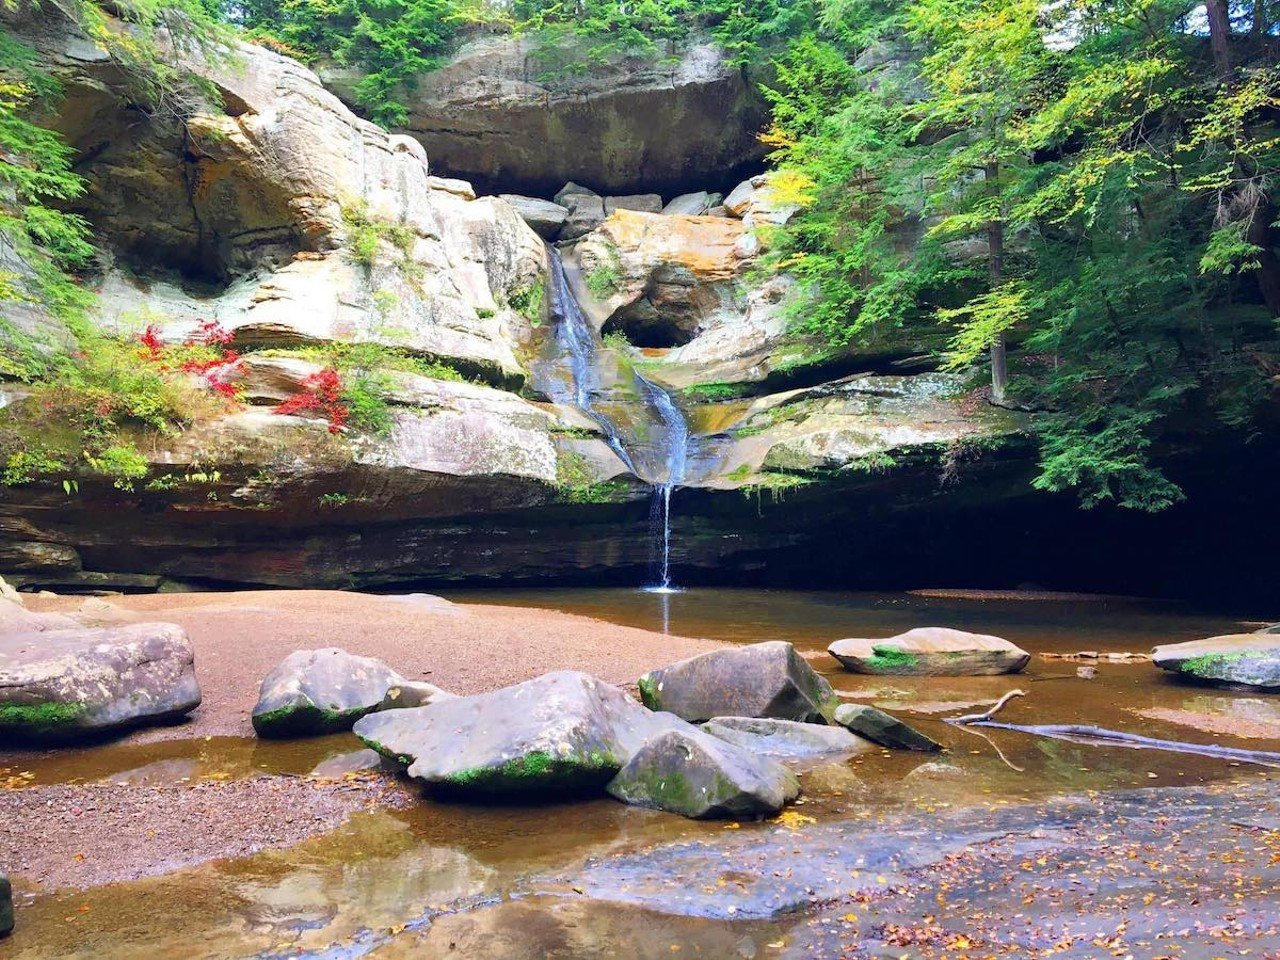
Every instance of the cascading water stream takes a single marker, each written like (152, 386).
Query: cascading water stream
(577, 345)
(675, 443)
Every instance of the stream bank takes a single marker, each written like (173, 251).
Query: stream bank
(875, 837)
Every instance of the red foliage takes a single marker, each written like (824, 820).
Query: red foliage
(212, 361)
(152, 345)
(321, 393)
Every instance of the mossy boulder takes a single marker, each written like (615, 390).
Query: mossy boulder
(696, 775)
(768, 679)
(931, 652)
(314, 692)
(1245, 659)
(561, 733)
(785, 739)
(6, 907)
(879, 727)
(66, 684)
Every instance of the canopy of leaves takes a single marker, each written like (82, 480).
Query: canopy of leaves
(1123, 168)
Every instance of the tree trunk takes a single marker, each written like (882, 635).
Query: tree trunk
(995, 272)
(1259, 234)
(1220, 36)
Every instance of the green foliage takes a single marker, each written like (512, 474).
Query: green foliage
(529, 301)
(393, 42)
(366, 235)
(716, 392)
(26, 466)
(1118, 174)
(122, 462)
(604, 279)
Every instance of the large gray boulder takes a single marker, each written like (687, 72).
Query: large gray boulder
(563, 731)
(544, 216)
(766, 679)
(784, 739)
(879, 727)
(527, 112)
(930, 652)
(6, 906)
(685, 772)
(314, 692)
(586, 212)
(691, 204)
(640, 202)
(66, 683)
(1242, 659)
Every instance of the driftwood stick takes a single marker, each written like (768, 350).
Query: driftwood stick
(969, 718)
(967, 728)
(1100, 737)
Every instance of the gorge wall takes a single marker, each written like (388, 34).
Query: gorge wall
(296, 225)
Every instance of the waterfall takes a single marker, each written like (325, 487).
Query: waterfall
(675, 449)
(576, 347)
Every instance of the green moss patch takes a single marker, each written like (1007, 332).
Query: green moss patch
(889, 659)
(539, 771)
(39, 719)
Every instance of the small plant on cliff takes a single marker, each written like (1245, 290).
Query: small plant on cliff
(366, 234)
(528, 301)
(322, 395)
(604, 277)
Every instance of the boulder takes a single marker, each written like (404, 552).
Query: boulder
(879, 727)
(767, 679)
(784, 739)
(1270, 628)
(931, 652)
(1243, 659)
(585, 214)
(6, 906)
(357, 761)
(459, 188)
(698, 776)
(691, 204)
(68, 683)
(545, 217)
(738, 200)
(528, 111)
(561, 732)
(570, 190)
(412, 693)
(642, 202)
(314, 692)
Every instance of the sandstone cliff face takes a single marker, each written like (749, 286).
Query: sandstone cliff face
(293, 222)
(514, 116)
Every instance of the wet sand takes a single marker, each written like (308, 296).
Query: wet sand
(88, 831)
(239, 637)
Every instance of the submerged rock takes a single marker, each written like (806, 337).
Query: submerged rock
(62, 684)
(784, 738)
(563, 731)
(357, 761)
(879, 727)
(314, 692)
(6, 906)
(1245, 659)
(931, 652)
(768, 679)
(699, 776)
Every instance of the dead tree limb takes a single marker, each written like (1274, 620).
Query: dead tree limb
(1101, 737)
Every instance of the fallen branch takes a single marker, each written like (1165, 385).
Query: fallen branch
(1100, 737)
(999, 705)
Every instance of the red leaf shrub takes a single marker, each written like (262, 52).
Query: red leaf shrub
(204, 354)
(322, 394)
